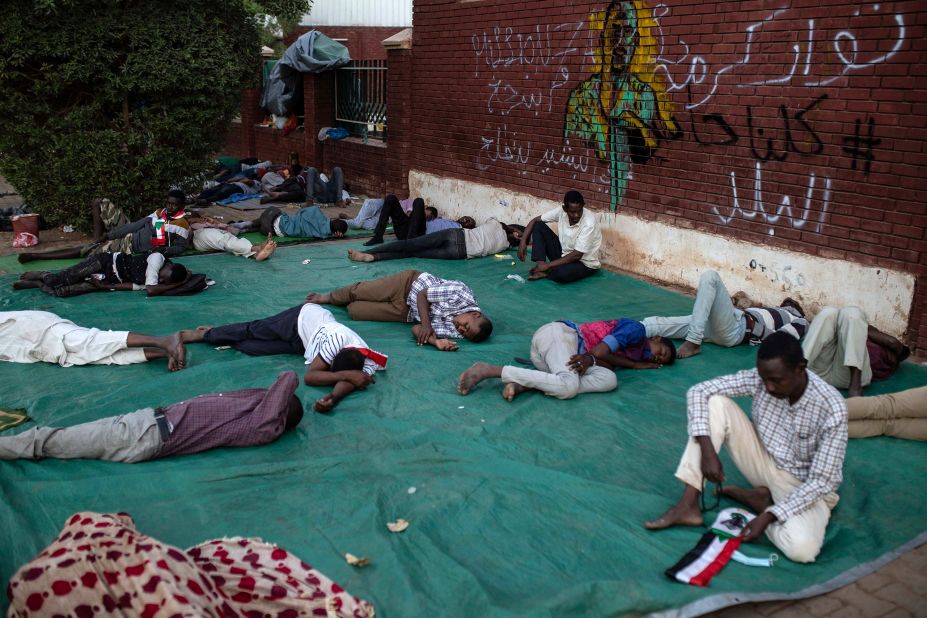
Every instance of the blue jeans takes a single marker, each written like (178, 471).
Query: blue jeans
(714, 317)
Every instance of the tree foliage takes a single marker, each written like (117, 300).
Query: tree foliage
(120, 99)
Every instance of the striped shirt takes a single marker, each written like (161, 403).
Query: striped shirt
(447, 298)
(808, 439)
(772, 319)
(324, 337)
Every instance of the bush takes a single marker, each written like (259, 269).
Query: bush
(120, 99)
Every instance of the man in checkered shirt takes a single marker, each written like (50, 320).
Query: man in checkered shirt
(443, 309)
(792, 452)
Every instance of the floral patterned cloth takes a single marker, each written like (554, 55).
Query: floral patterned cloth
(101, 565)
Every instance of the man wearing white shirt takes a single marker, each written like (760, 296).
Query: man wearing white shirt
(335, 354)
(570, 254)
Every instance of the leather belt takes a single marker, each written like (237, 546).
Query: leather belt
(164, 427)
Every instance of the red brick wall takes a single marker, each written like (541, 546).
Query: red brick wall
(364, 42)
(813, 142)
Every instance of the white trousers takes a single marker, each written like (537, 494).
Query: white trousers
(835, 342)
(551, 348)
(801, 536)
(714, 318)
(129, 438)
(214, 239)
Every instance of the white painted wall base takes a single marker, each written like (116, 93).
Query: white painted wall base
(678, 256)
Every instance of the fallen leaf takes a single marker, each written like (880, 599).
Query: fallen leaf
(355, 561)
(397, 526)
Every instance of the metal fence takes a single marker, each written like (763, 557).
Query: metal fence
(360, 98)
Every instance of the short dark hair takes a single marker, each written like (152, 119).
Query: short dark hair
(782, 345)
(485, 330)
(179, 272)
(573, 197)
(294, 413)
(267, 218)
(178, 194)
(347, 359)
(339, 225)
(672, 348)
(432, 210)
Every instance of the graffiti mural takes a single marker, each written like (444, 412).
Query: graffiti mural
(622, 110)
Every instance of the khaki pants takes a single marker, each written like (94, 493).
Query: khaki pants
(129, 439)
(900, 415)
(835, 342)
(800, 537)
(378, 300)
(214, 239)
(551, 348)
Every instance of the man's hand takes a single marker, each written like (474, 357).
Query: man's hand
(581, 362)
(522, 250)
(446, 345)
(358, 379)
(425, 332)
(325, 404)
(757, 526)
(711, 463)
(338, 235)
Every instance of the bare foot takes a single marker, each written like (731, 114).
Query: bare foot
(266, 249)
(476, 374)
(194, 336)
(757, 499)
(33, 275)
(176, 352)
(26, 284)
(677, 515)
(319, 298)
(360, 256)
(688, 349)
(512, 390)
(535, 275)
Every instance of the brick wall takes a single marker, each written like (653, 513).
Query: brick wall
(802, 128)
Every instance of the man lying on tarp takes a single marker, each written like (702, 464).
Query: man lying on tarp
(247, 417)
(792, 452)
(336, 355)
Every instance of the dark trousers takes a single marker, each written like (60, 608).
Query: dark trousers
(546, 247)
(321, 191)
(404, 226)
(277, 334)
(97, 263)
(292, 190)
(219, 192)
(442, 245)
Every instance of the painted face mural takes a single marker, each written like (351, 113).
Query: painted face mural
(622, 110)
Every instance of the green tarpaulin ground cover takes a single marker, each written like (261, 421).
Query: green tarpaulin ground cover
(526, 508)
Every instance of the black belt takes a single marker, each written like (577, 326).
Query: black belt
(751, 322)
(164, 427)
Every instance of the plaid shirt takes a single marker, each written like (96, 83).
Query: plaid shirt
(240, 418)
(446, 298)
(808, 439)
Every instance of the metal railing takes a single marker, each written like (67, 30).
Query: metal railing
(360, 98)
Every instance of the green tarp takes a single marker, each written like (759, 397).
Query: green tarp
(525, 508)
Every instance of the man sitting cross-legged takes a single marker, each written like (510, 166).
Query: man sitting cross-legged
(151, 272)
(40, 336)
(336, 355)
(571, 359)
(445, 309)
(792, 452)
(847, 352)
(448, 244)
(573, 252)
(249, 417)
(716, 320)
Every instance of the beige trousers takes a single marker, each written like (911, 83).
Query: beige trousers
(801, 536)
(551, 348)
(900, 415)
(210, 239)
(836, 341)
